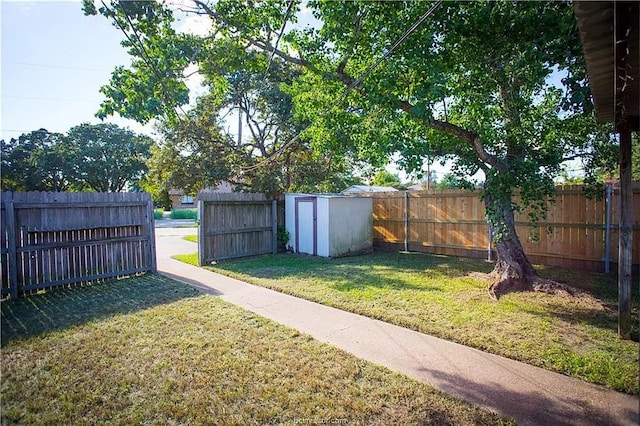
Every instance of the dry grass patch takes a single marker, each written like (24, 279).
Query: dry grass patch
(152, 351)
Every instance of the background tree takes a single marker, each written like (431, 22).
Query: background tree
(106, 157)
(192, 155)
(471, 84)
(37, 161)
(451, 181)
(385, 178)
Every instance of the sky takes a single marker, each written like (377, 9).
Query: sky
(54, 61)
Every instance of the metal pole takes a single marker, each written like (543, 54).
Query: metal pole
(489, 254)
(12, 252)
(151, 229)
(607, 230)
(406, 220)
(201, 236)
(274, 226)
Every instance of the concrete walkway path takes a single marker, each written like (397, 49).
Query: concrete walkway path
(531, 395)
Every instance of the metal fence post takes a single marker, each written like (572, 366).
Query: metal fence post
(201, 236)
(490, 236)
(12, 252)
(152, 235)
(406, 221)
(274, 226)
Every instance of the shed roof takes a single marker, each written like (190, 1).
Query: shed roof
(368, 188)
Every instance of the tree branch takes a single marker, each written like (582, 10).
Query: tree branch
(470, 137)
(263, 45)
(208, 10)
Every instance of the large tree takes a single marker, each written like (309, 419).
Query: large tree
(107, 158)
(470, 82)
(37, 161)
(97, 157)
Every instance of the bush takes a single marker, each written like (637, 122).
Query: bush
(158, 214)
(184, 214)
(283, 235)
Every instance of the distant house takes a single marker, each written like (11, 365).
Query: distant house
(358, 189)
(180, 200)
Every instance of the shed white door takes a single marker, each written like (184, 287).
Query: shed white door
(306, 225)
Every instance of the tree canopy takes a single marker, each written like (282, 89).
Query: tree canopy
(107, 158)
(95, 157)
(496, 87)
(36, 161)
(386, 178)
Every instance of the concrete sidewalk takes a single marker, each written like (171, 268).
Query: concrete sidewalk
(531, 395)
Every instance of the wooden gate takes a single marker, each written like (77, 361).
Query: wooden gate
(235, 225)
(54, 239)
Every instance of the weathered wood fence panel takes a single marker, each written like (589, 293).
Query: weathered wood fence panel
(236, 225)
(53, 239)
(452, 222)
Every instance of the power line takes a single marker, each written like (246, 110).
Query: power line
(357, 82)
(42, 98)
(143, 53)
(16, 130)
(64, 67)
(275, 47)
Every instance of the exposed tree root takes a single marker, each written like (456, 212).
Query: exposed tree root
(499, 287)
(543, 285)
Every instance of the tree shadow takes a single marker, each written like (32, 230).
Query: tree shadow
(63, 308)
(605, 317)
(550, 406)
(596, 303)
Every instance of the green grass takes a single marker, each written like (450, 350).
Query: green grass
(149, 350)
(184, 214)
(441, 296)
(193, 238)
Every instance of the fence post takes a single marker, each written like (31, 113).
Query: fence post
(12, 252)
(201, 236)
(274, 226)
(607, 230)
(489, 253)
(152, 235)
(406, 220)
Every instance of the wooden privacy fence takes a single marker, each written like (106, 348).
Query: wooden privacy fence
(236, 225)
(576, 233)
(54, 239)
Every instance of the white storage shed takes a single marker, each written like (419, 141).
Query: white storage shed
(328, 225)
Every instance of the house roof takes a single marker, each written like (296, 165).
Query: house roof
(418, 186)
(368, 188)
(610, 41)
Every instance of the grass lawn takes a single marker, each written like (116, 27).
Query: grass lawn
(192, 238)
(149, 350)
(443, 296)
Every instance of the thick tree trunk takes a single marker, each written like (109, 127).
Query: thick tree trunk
(513, 271)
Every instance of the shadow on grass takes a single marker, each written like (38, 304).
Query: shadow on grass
(358, 272)
(56, 310)
(560, 407)
(606, 319)
(602, 286)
